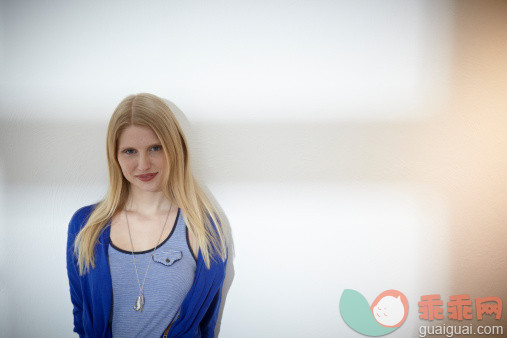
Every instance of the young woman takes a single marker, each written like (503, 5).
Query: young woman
(149, 259)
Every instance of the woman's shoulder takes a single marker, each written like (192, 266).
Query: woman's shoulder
(80, 217)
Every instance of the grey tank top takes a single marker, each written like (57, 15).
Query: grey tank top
(170, 277)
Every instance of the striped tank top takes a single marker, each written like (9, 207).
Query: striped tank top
(170, 277)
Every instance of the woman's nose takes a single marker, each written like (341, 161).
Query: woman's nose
(144, 162)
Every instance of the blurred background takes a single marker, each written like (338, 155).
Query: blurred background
(351, 145)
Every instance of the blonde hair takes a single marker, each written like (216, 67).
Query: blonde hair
(179, 184)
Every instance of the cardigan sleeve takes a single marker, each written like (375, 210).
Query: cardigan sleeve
(73, 273)
(209, 320)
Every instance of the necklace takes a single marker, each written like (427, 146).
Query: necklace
(139, 304)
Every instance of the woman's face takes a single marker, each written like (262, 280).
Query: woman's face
(141, 157)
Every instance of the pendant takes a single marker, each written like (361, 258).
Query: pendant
(138, 306)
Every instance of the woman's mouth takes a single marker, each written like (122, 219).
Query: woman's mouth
(146, 177)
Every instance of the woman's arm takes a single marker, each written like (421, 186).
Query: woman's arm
(209, 320)
(73, 274)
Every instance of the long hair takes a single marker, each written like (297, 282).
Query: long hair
(179, 184)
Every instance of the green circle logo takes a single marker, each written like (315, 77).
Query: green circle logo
(387, 312)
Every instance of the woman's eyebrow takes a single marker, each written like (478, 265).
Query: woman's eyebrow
(124, 148)
(147, 147)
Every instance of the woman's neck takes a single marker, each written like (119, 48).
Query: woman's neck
(147, 202)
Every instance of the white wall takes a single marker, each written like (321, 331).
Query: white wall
(300, 116)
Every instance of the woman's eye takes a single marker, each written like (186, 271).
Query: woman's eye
(129, 151)
(156, 148)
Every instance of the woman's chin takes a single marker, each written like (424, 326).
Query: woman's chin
(145, 187)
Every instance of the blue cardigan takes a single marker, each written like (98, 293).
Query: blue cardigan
(91, 294)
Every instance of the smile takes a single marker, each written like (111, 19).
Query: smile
(146, 177)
